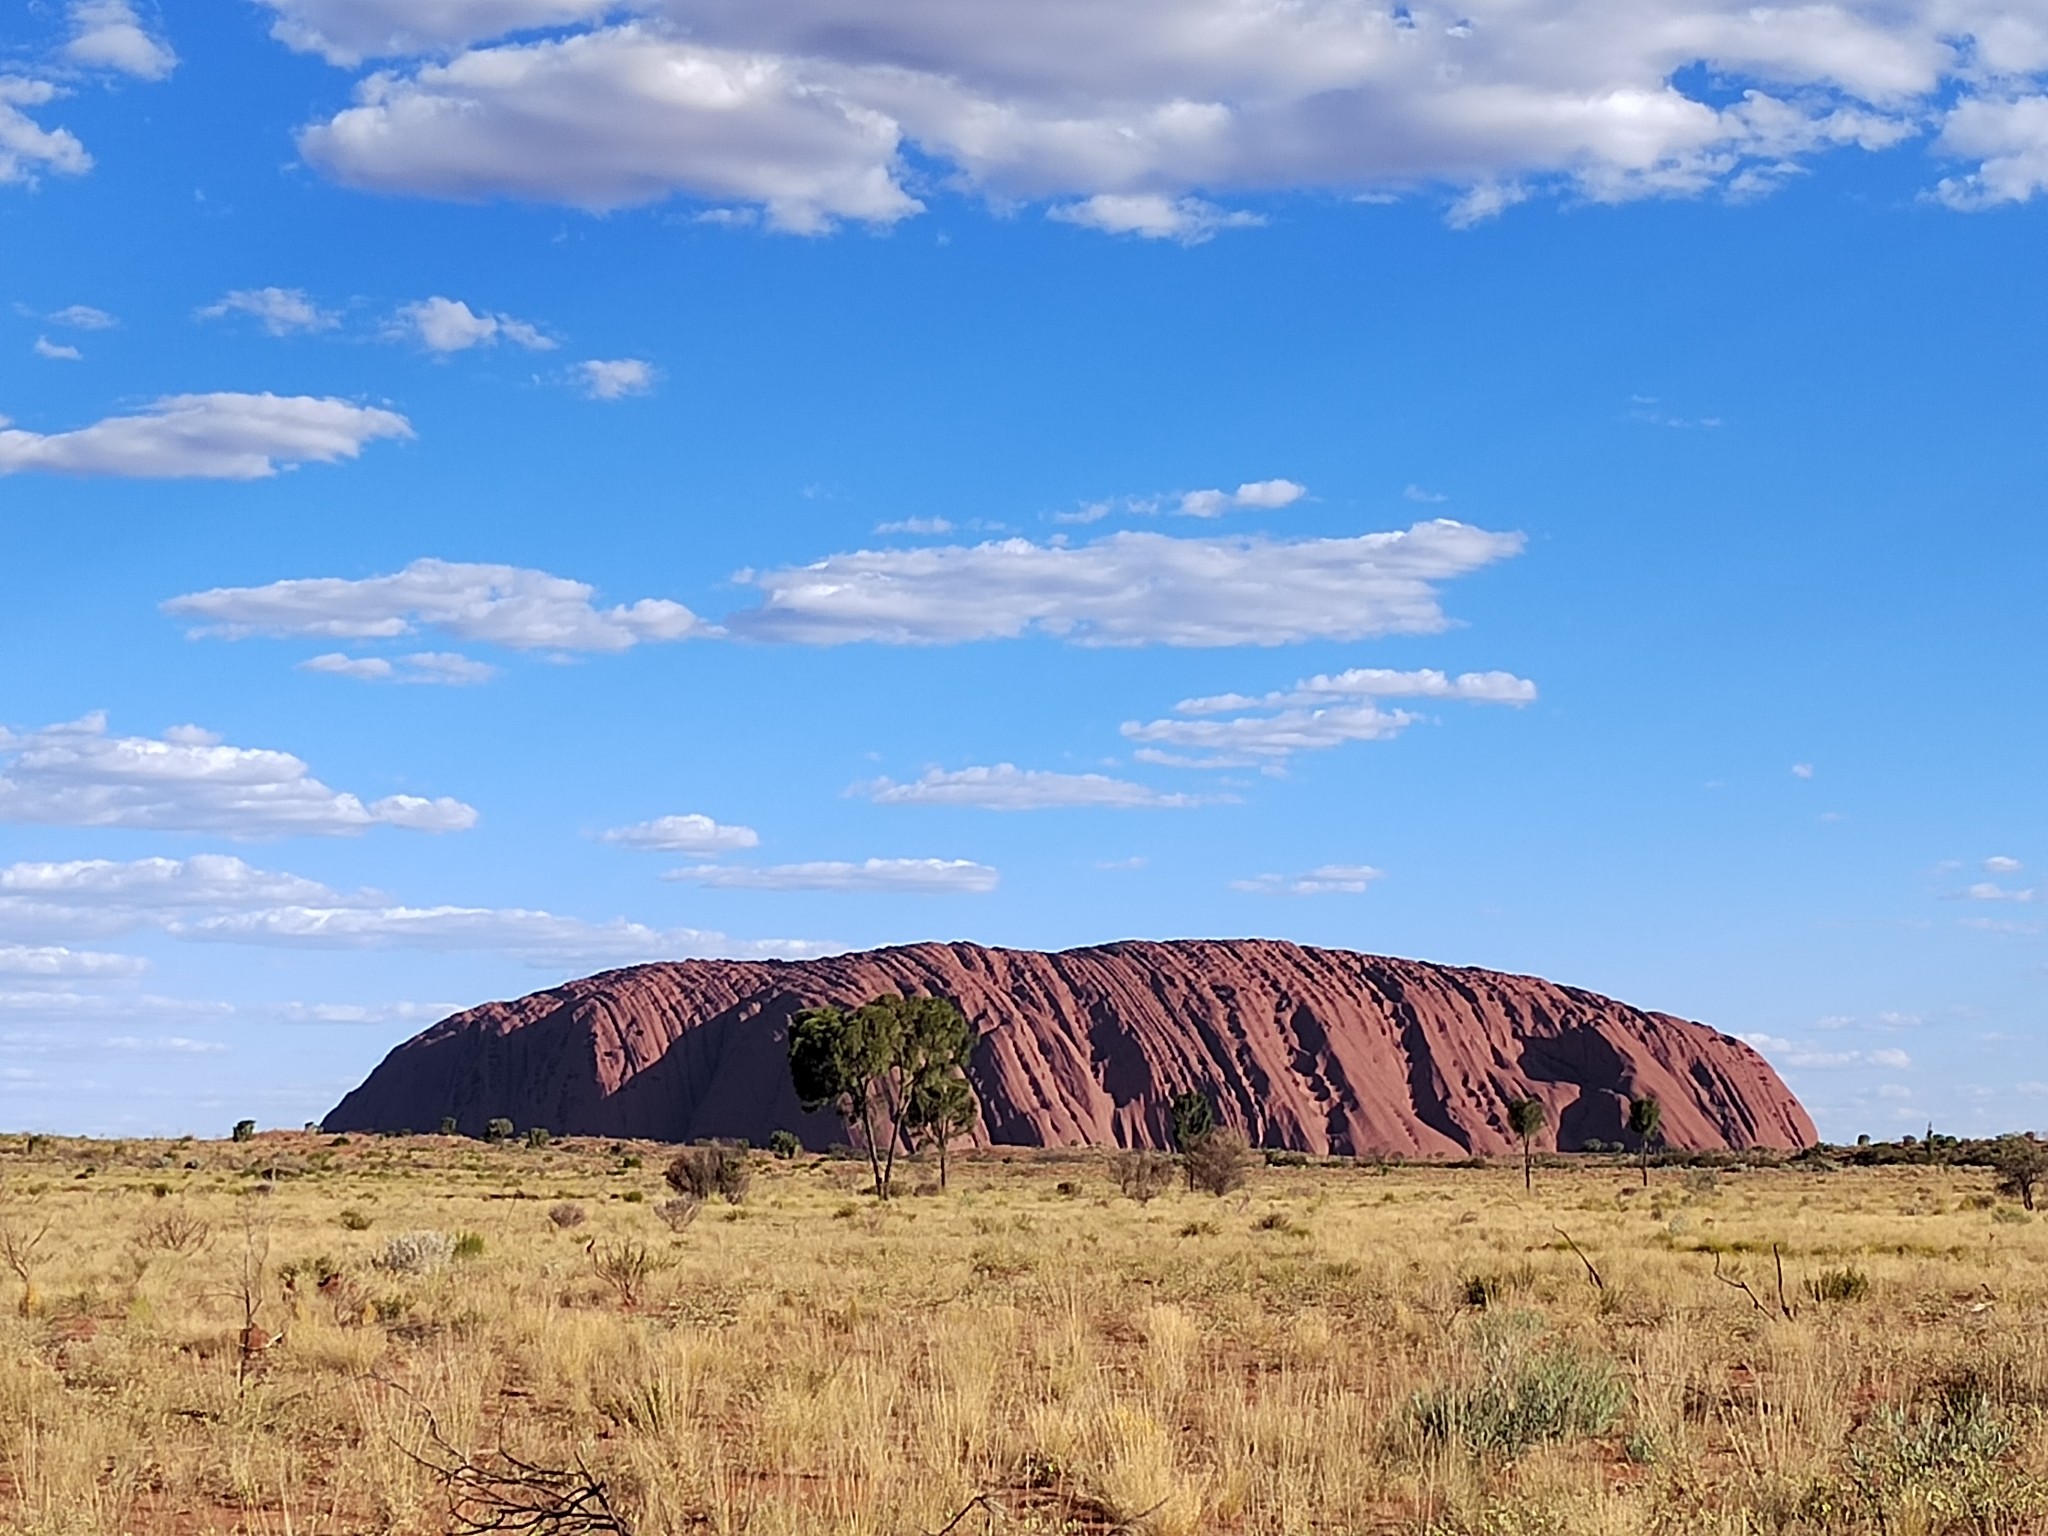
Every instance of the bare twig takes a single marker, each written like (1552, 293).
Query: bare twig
(1591, 1273)
(1754, 1300)
(505, 1493)
(1784, 1306)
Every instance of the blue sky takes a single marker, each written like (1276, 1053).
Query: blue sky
(500, 488)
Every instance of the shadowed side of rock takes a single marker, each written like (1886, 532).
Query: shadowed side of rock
(1316, 1050)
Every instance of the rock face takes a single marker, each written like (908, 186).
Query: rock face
(1317, 1050)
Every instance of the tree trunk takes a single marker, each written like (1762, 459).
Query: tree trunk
(1646, 1162)
(867, 1131)
(943, 1139)
(1528, 1175)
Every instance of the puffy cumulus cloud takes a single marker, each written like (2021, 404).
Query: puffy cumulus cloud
(26, 147)
(205, 437)
(107, 34)
(1132, 117)
(544, 937)
(1006, 787)
(691, 833)
(1265, 495)
(54, 960)
(446, 668)
(280, 311)
(924, 877)
(188, 781)
(1234, 730)
(615, 379)
(2008, 138)
(1323, 880)
(449, 325)
(97, 897)
(622, 115)
(1153, 216)
(505, 605)
(1127, 589)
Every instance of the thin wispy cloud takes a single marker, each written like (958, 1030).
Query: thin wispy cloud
(1237, 730)
(204, 437)
(1006, 787)
(280, 311)
(1127, 589)
(506, 605)
(923, 877)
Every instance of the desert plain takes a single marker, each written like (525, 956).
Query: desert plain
(304, 1334)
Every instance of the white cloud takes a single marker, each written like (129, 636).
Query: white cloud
(26, 147)
(1802, 770)
(214, 437)
(921, 525)
(449, 325)
(1415, 492)
(187, 781)
(1006, 787)
(1786, 1053)
(282, 311)
(623, 115)
(435, 667)
(930, 877)
(1324, 880)
(220, 899)
(615, 380)
(1985, 890)
(691, 833)
(1153, 216)
(2000, 864)
(1133, 117)
(107, 34)
(499, 604)
(1316, 714)
(163, 1045)
(537, 935)
(84, 317)
(57, 351)
(56, 960)
(1127, 589)
(1263, 494)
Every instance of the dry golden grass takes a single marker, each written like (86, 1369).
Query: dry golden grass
(1273, 1362)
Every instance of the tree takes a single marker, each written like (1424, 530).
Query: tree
(1192, 1119)
(941, 1108)
(1645, 1120)
(245, 1130)
(1220, 1161)
(1525, 1119)
(2022, 1162)
(882, 1066)
(498, 1129)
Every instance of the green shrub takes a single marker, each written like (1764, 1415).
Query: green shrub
(354, 1221)
(448, 1126)
(498, 1129)
(537, 1136)
(1140, 1174)
(716, 1168)
(1845, 1284)
(785, 1144)
(245, 1130)
(1527, 1397)
(1220, 1162)
(469, 1245)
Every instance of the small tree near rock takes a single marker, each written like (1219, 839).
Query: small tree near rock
(717, 1168)
(498, 1129)
(245, 1130)
(1645, 1120)
(1526, 1119)
(784, 1145)
(1191, 1117)
(1220, 1162)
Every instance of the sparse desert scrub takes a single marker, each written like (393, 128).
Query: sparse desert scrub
(1335, 1349)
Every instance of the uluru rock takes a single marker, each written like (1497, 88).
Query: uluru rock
(1316, 1050)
